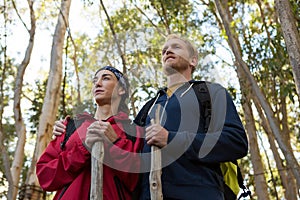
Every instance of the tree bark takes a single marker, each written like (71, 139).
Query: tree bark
(291, 38)
(18, 160)
(111, 26)
(291, 189)
(282, 170)
(51, 101)
(74, 58)
(3, 69)
(261, 187)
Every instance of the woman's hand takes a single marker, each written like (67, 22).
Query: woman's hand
(100, 131)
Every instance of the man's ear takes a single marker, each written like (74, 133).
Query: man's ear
(193, 61)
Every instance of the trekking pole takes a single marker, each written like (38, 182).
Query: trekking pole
(97, 156)
(155, 173)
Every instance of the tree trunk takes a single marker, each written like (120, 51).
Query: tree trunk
(288, 190)
(51, 101)
(74, 58)
(111, 26)
(291, 38)
(288, 186)
(261, 187)
(291, 189)
(18, 160)
(292, 163)
(3, 77)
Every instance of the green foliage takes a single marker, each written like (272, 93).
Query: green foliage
(9, 137)
(38, 92)
(7, 129)
(296, 11)
(46, 18)
(7, 71)
(141, 35)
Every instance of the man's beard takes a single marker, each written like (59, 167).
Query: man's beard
(169, 70)
(174, 68)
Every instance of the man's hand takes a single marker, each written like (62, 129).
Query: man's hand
(100, 131)
(156, 135)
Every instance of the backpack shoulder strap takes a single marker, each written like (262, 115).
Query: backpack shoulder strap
(72, 125)
(141, 117)
(203, 96)
(70, 129)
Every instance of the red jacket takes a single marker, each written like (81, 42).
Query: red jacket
(68, 171)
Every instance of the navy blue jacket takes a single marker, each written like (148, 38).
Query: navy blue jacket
(191, 159)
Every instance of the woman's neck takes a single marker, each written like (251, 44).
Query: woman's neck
(104, 112)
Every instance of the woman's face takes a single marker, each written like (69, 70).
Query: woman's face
(105, 87)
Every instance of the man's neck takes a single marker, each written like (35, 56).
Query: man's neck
(178, 78)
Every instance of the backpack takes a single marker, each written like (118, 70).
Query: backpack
(232, 176)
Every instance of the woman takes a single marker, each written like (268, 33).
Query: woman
(65, 165)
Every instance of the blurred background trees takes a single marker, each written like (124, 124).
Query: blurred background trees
(50, 50)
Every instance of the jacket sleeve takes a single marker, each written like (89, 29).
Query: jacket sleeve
(124, 156)
(56, 168)
(225, 140)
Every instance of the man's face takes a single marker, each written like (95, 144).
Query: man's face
(175, 56)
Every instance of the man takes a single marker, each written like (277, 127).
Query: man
(190, 157)
(65, 165)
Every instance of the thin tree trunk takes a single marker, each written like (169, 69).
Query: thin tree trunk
(74, 58)
(51, 101)
(291, 188)
(3, 70)
(279, 163)
(292, 163)
(111, 26)
(291, 37)
(18, 160)
(261, 187)
(150, 21)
